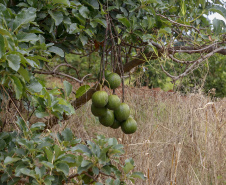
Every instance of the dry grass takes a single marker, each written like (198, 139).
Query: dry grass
(179, 140)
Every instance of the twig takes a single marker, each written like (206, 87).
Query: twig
(174, 22)
(196, 50)
(181, 61)
(88, 53)
(57, 73)
(107, 175)
(192, 66)
(32, 113)
(73, 68)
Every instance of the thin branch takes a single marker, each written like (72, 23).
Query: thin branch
(107, 175)
(85, 77)
(73, 68)
(181, 61)
(190, 50)
(64, 64)
(72, 52)
(169, 75)
(158, 46)
(32, 113)
(188, 70)
(174, 22)
(57, 73)
(88, 53)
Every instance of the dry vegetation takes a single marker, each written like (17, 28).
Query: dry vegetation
(180, 140)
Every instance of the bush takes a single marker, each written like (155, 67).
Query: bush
(30, 156)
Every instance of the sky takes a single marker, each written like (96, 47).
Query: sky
(217, 16)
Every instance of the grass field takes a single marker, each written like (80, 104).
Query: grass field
(180, 140)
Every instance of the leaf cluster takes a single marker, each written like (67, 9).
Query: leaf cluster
(30, 156)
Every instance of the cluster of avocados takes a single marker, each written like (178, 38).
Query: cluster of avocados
(111, 112)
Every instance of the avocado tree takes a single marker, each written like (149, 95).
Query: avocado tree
(125, 34)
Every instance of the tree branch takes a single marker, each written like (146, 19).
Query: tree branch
(204, 49)
(174, 22)
(195, 63)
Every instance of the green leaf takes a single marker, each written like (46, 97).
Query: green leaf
(2, 46)
(40, 58)
(40, 114)
(67, 134)
(84, 11)
(82, 148)
(123, 20)
(63, 167)
(57, 16)
(34, 86)
(22, 125)
(217, 25)
(58, 151)
(106, 170)
(49, 154)
(27, 172)
(2, 144)
(13, 61)
(27, 37)
(24, 73)
(85, 163)
(85, 168)
(183, 7)
(37, 126)
(18, 87)
(151, 1)
(82, 90)
(31, 62)
(23, 17)
(98, 183)
(47, 164)
(4, 135)
(73, 28)
(109, 181)
(96, 170)
(93, 3)
(112, 141)
(9, 160)
(44, 144)
(65, 2)
(117, 182)
(100, 21)
(128, 167)
(48, 180)
(168, 30)
(68, 158)
(147, 37)
(139, 175)
(40, 171)
(67, 87)
(5, 32)
(155, 50)
(56, 50)
(83, 39)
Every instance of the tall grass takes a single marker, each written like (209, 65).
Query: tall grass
(180, 140)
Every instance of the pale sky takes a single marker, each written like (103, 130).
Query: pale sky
(217, 16)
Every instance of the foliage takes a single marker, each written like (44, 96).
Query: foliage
(34, 157)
